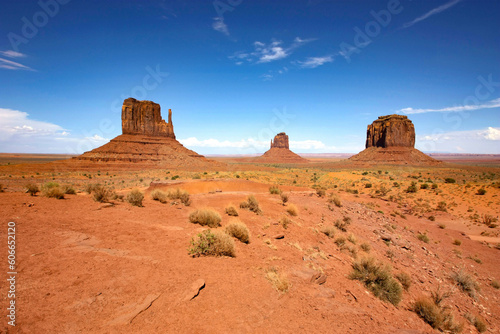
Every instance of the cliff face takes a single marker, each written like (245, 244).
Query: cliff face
(144, 118)
(280, 141)
(391, 131)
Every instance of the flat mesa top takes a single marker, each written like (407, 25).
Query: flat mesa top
(387, 117)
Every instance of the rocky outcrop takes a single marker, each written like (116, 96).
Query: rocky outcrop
(144, 118)
(391, 131)
(280, 141)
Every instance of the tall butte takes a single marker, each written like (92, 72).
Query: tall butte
(280, 152)
(146, 139)
(391, 139)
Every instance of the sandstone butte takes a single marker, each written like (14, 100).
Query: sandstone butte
(147, 139)
(279, 152)
(391, 139)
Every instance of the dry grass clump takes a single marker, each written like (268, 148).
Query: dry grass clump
(101, 193)
(352, 238)
(285, 221)
(52, 190)
(1, 188)
(378, 279)
(205, 217)
(489, 221)
(135, 197)
(435, 314)
(342, 224)
(32, 189)
(404, 279)
(238, 230)
(279, 280)
(208, 243)
(423, 237)
(321, 192)
(159, 195)
(495, 284)
(89, 188)
(366, 247)
(251, 204)
(457, 242)
(334, 199)
(68, 189)
(292, 210)
(181, 195)
(466, 283)
(231, 211)
(329, 231)
(477, 321)
(284, 198)
(274, 190)
(340, 241)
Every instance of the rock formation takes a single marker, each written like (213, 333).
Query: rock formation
(147, 139)
(280, 152)
(391, 131)
(391, 139)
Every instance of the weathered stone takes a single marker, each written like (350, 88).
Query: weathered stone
(144, 118)
(280, 141)
(194, 290)
(391, 131)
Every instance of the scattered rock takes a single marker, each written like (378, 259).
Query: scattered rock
(279, 236)
(194, 290)
(318, 278)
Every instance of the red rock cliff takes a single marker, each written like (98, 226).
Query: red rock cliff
(391, 131)
(144, 117)
(280, 141)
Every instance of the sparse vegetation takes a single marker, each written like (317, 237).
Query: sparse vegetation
(404, 279)
(449, 180)
(321, 192)
(352, 238)
(52, 190)
(436, 315)
(135, 197)
(251, 204)
(32, 189)
(1, 188)
(274, 190)
(477, 321)
(489, 221)
(442, 206)
(208, 243)
(179, 194)
(412, 188)
(465, 282)
(423, 237)
(68, 189)
(205, 217)
(495, 284)
(378, 279)
(457, 242)
(481, 192)
(340, 241)
(284, 198)
(334, 199)
(101, 193)
(292, 210)
(284, 222)
(366, 247)
(238, 230)
(329, 231)
(279, 281)
(342, 224)
(231, 211)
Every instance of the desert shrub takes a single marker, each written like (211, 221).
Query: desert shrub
(436, 316)
(135, 197)
(179, 194)
(495, 284)
(466, 283)
(432, 218)
(89, 188)
(404, 279)
(208, 243)
(457, 242)
(378, 279)
(52, 190)
(341, 225)
(352, 238)
(285, 221)
(489, 221)
(278, 280)
(274, 190)
(101, 193)
(368, 185)
(251, 204)
(238, 230)
(1, 188)
(434, 186)
(284, 198)
(231, 211)
(68, 189)
(424, 186)
(423, 237)
(481, 191)
(159, 195)
(205, 217)
(479, 324)
(366, 247)
(412, 188)
(329, 231)
(449, 180)
(335, 200)
(340, 241)
(442, 226)
(321, 192)
(442, 206)
(32, 189)
(292, 210)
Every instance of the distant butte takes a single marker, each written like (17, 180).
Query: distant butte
(391, 139)
(279, 152)
(146, 139)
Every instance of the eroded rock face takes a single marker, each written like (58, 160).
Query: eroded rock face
(280, 141)
(391, 131)
(144, 118)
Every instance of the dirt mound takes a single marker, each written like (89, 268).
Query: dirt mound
(392, 156)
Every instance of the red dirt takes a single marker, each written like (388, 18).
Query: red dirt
(393, 156)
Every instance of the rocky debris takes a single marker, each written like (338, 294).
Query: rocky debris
(279, 236)
(194, 290)
(318, 278)
(391, 131)
(280, 141)
(144, 117)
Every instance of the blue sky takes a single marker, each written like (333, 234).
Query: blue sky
(237, 72)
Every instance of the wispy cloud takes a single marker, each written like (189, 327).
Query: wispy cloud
(488, 105)
(432, 12)
(251, 143)
(12, 54)
(313, 62)
(483, 141)
(266, 53)
(12, 65)
(220, 26)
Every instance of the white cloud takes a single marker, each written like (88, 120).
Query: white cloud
(12, 54)
(17, 123)
(307, 145)
(432, 12)
(488, 105)
(483, 141)
(491, 133)
(220, 26)
(12, 65)
(313, 62)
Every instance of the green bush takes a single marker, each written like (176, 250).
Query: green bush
(378, 279)
(481, 191)
(238, 230)
(52, 190)
(424, 186)
(274, 190)
(368, 185)
(449, 180)
(205, 217)
(135, 197)
(208, 243)
(412, 188)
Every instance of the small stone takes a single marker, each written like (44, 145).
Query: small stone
(279, 236)
(194, 290)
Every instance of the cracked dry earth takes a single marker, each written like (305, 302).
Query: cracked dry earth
(87, 267)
